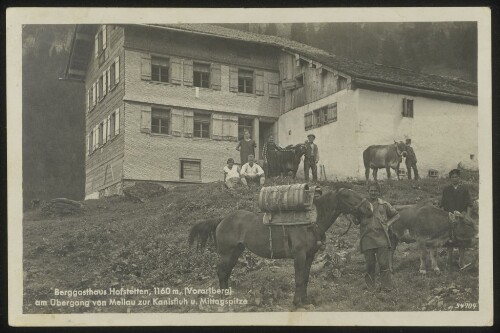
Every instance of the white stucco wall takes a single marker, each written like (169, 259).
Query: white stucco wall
(443, 133)
(336, 141)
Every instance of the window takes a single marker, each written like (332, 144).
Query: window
(332, 112)
(112, 76)
(245, 81)
(91, 142)
(407, 108)
(320, 117)
(308, 120)
(201, 75)
(244, 124)
(159, 69)
(300, 80)
(190, 170)
(201, 125)
(100, 41)
(100, 88)
(160, 121)
(112, 120)
(341, 83)
(100, 135)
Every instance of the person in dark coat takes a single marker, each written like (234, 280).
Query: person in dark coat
(311, 158)
(456, 199)
(411, 160)
(375, 243)
(246, 147)
(270, 154)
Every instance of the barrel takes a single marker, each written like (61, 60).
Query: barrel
(284, 198)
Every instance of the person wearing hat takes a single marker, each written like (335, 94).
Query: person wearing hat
(456, 199)
(375, 241)
(311, 158)
(411, 160)
(231, 174)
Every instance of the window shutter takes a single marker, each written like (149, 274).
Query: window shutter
(104, 37)
(215, 79)
(217, 121)
(259, 83)
(108, 78)
(88, 144)
(104, 83)
(96, 44)
(176, 70)
(105, 130)
(177, 122)
(117, 121)
(404, 107)
(188, 124)
(188, 72)
(273, 90)
(332, 112)
(96, 137)
(108, 131)
(87, 100)
(146, 119)
(230, 128)
(117, 70)
(233, 79)
(94, 94)
(145, 68)
(410, 108)
(308, 120)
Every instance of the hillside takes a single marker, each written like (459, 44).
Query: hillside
(117, 243)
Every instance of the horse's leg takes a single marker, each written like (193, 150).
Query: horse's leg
(300, 264)
(461, 258)
(226, 265)
(450, 257)
(367, 173)
(307, 271)
(388, 170)
(434, 265)
(375, 171)
(423, 258)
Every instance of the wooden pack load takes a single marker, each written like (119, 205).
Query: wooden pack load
(288, 204)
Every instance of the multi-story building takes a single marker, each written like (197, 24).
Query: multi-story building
(167, 103)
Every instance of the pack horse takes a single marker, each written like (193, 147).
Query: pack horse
(273, 234)
(383, 156)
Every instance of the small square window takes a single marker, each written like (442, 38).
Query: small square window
(245, 81)
(407, 108)
(300, 80)
(190, 170)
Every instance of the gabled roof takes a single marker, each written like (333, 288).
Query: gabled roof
(365, 73)
(356, 69)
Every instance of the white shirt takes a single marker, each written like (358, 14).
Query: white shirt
(255, 169)
(232, 173)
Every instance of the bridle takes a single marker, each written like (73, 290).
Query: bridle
(352, 209)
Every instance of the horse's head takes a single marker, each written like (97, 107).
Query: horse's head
(300, 149)
(465, 228)
(353, 203)
(400, 148)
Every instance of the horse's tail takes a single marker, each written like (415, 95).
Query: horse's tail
(202, 230)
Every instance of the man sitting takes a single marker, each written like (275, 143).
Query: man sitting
(231, 174)
(252, 172)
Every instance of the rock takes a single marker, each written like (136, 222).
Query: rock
(316, 268)
(456, 291)
(143, 191)
(440, 304)
(337, 273)
(62, 207)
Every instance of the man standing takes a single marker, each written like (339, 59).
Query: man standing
(231, 174)
(270, 154)
(456, 199)
(311, 158)
(252, 172)
(411, 160)
(374, 241)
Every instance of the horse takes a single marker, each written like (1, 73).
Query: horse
(383, 156)
(203, 230)
(289, 159)
(243, 229)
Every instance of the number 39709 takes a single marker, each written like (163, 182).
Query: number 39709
(465, 306)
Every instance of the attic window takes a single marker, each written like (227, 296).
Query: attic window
(100, 41)
(341, 83)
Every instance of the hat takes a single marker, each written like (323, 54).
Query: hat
(314, 136)
(230, 160)
(454, 172)
(408, 141)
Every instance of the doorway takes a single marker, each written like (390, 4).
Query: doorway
(265, 129)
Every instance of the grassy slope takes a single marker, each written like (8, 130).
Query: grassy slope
(116, 243)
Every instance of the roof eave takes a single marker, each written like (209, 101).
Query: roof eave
(376, 85)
